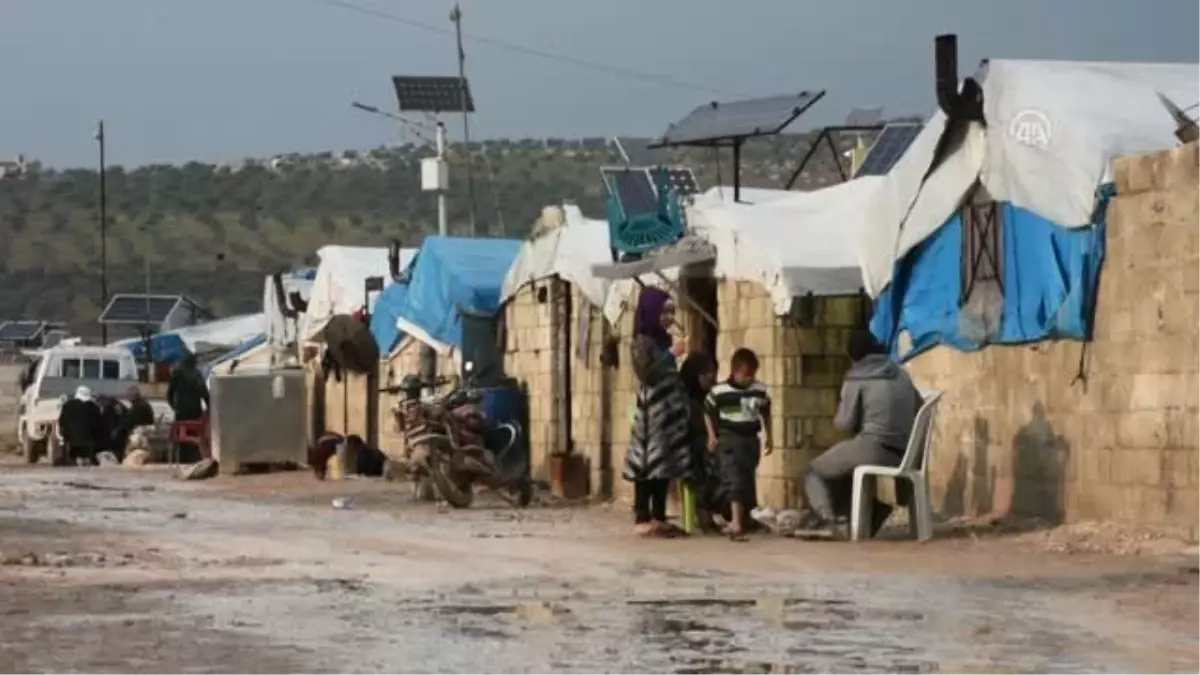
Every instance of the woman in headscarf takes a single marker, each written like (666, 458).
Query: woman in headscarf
(659, 447)
(699, 374)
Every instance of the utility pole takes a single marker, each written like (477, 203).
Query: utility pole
(456, 17)
(103, 233)
(441, 195)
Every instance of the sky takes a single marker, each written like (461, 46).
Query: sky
(219, 80)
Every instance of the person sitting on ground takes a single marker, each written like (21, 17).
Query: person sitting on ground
(878, 404)
(137, 413)
(737, 411)
(80, 424)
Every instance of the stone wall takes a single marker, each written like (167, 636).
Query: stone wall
(1020, 432)
(529, 357)
(802, 361)
(10, 398)
(406, 360)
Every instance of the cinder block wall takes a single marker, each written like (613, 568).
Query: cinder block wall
(803, 367)
(405, 361)
(529, 358)
(1020, 433)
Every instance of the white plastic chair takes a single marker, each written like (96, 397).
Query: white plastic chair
(912, 468)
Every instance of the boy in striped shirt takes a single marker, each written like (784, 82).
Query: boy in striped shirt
(736, 411)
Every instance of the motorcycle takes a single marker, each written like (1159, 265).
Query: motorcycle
(449, 442)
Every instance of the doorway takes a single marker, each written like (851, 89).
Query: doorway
(700, 287)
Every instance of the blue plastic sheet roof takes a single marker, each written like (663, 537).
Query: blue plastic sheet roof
(383, 318)
(164, 348)
(449, 276)
(236, 352)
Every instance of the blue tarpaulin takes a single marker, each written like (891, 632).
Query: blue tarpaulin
(383, 317)
(236, 352)
(449, 276)
(1051, 277)
(164, 348)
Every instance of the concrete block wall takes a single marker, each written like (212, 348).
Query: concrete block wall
(802, 365)
(405, 361)
(529, 357)
(10, 398)
(1019, 432)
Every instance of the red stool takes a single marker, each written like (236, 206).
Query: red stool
(192, 432)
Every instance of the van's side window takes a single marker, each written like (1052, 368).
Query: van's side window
(96, 369)
(112, 370)
(71, 369)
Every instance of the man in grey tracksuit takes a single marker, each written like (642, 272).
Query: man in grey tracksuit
(879, 403)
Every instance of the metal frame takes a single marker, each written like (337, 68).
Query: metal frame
(687, 251)
(735, 142)
(826, 135)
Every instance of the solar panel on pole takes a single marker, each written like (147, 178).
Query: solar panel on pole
(20, 331)
(713, 123)
(433, 93)
(137, 309)
(888, 148)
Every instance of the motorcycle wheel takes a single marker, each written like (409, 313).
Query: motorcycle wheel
(519, 494)
(458, 497)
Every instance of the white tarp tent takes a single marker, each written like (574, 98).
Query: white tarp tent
(340, 284)
(793, 243)
(1053, 129)
(568, 252)
(281, 331)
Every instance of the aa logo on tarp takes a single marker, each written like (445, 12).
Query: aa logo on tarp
(1032, 128)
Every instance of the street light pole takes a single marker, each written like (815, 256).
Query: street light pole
(439, 143)
(103, 233)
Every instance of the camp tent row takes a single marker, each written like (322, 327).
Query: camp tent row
(917, 255)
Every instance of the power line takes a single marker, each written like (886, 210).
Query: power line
(650, 78)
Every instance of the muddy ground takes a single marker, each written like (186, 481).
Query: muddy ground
(111, 570)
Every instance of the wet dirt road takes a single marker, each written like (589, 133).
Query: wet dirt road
(135, 572)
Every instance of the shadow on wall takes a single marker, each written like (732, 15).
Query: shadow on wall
(1040, 459)
(982, 478)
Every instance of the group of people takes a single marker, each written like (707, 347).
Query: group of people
(709, 436)
(90, 425)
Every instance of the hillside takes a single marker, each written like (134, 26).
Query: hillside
(213, 232)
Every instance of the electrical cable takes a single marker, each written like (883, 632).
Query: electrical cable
(651, 78)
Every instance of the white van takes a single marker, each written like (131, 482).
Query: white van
(54, 376)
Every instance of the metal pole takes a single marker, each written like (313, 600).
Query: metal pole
(441, 155)
(456, 17)
(103, 234)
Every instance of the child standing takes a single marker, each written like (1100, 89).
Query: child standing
(736, 412)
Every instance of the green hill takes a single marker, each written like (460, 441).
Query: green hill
(212, 232)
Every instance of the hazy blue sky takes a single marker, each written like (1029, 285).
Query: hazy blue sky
(223, 79)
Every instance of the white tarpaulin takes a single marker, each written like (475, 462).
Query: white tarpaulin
(281, 331)
(340, 284)
(567, 252)
(793, 243)
(1053, 129)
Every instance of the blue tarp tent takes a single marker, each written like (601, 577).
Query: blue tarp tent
(164, 348)
(234, 353)
(384, 316)
(1051, 278)
(449, 276)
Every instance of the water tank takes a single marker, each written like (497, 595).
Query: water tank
(506, 403)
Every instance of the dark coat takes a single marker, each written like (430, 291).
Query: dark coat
(81, 424)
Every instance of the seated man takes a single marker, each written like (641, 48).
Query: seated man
(879, 403)
(81, 426)
(137, 413)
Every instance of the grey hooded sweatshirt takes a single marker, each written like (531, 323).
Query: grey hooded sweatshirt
(879, 401)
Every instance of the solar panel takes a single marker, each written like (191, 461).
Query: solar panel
(20, 331)
(139, 309)
(634, 190)
(714, 122)
(433, 93)
(681, 180)
(888, 148)
(864, 117)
